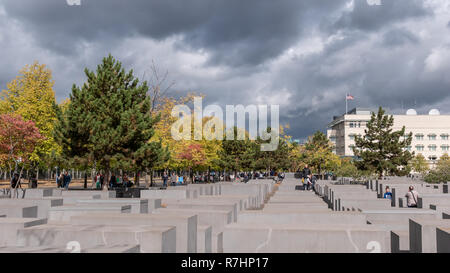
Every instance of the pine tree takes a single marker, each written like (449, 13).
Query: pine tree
(236, 155)
(278, 159)
(109, 119)
(382, 150)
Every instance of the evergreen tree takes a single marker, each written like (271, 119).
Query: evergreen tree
(382, 150)
(109, 119)
(278, 159)
(236, 155)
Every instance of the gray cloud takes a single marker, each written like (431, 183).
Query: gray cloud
(303, 55)
(398, 37)
(373, 17)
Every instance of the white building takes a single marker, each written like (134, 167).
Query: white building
(430, 132)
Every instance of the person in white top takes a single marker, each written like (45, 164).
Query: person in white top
(412, 196)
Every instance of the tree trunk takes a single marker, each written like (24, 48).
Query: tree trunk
(209, 173)
(106, 179)
(146, 178)
(151, 178)
(85, 180)
(136, 179)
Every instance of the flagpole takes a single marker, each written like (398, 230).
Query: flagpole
(346, 104)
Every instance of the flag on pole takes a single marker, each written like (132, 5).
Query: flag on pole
(350, 97)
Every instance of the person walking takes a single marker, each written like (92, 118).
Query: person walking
(61, 180)
(411, 197)
(98, 181)
(306, 173)
(173, 179)
(165, 177)
(113, 181)
(67, 179)
(313, 182)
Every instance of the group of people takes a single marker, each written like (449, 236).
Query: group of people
(412, 196)
(114, 181)
(63, 180)
(308, 179)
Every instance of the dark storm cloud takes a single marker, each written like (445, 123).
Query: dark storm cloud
(235, 32)
(303, 55)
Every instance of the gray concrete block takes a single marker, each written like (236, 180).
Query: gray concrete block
(422, 234)
(43, 204)
(186, 225)
(152, 239)
(9, 227)
(137, 205)
(299, 239)
(72, 200)
(170, 193)
(399, 215)
(87, 193)
(204, 239)
(217, 242)
(38, 193)
(194, 204)
(19, 211)
(281, 217)
(64, 213)
(443, 240)
(218, 219)
(399, 241)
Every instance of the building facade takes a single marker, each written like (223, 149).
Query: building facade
(430, 132)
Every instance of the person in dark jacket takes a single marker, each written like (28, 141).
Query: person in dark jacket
(67, 180)
(14, 181)
(306, 176)
(113, 181)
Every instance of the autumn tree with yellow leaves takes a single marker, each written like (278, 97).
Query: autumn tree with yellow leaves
(31, 96)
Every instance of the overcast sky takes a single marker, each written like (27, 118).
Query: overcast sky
(304, 55)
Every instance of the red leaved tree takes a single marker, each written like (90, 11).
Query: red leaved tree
(18, 138)
(192, 157)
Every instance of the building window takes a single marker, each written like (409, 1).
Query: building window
(445, 148)
(432, 157)
(354, 124)
(409, 148)
(432, 137)
(444, 136)
(352, 137)
(351, 147)
(419, 137)
(432, 148)
(420, 148)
